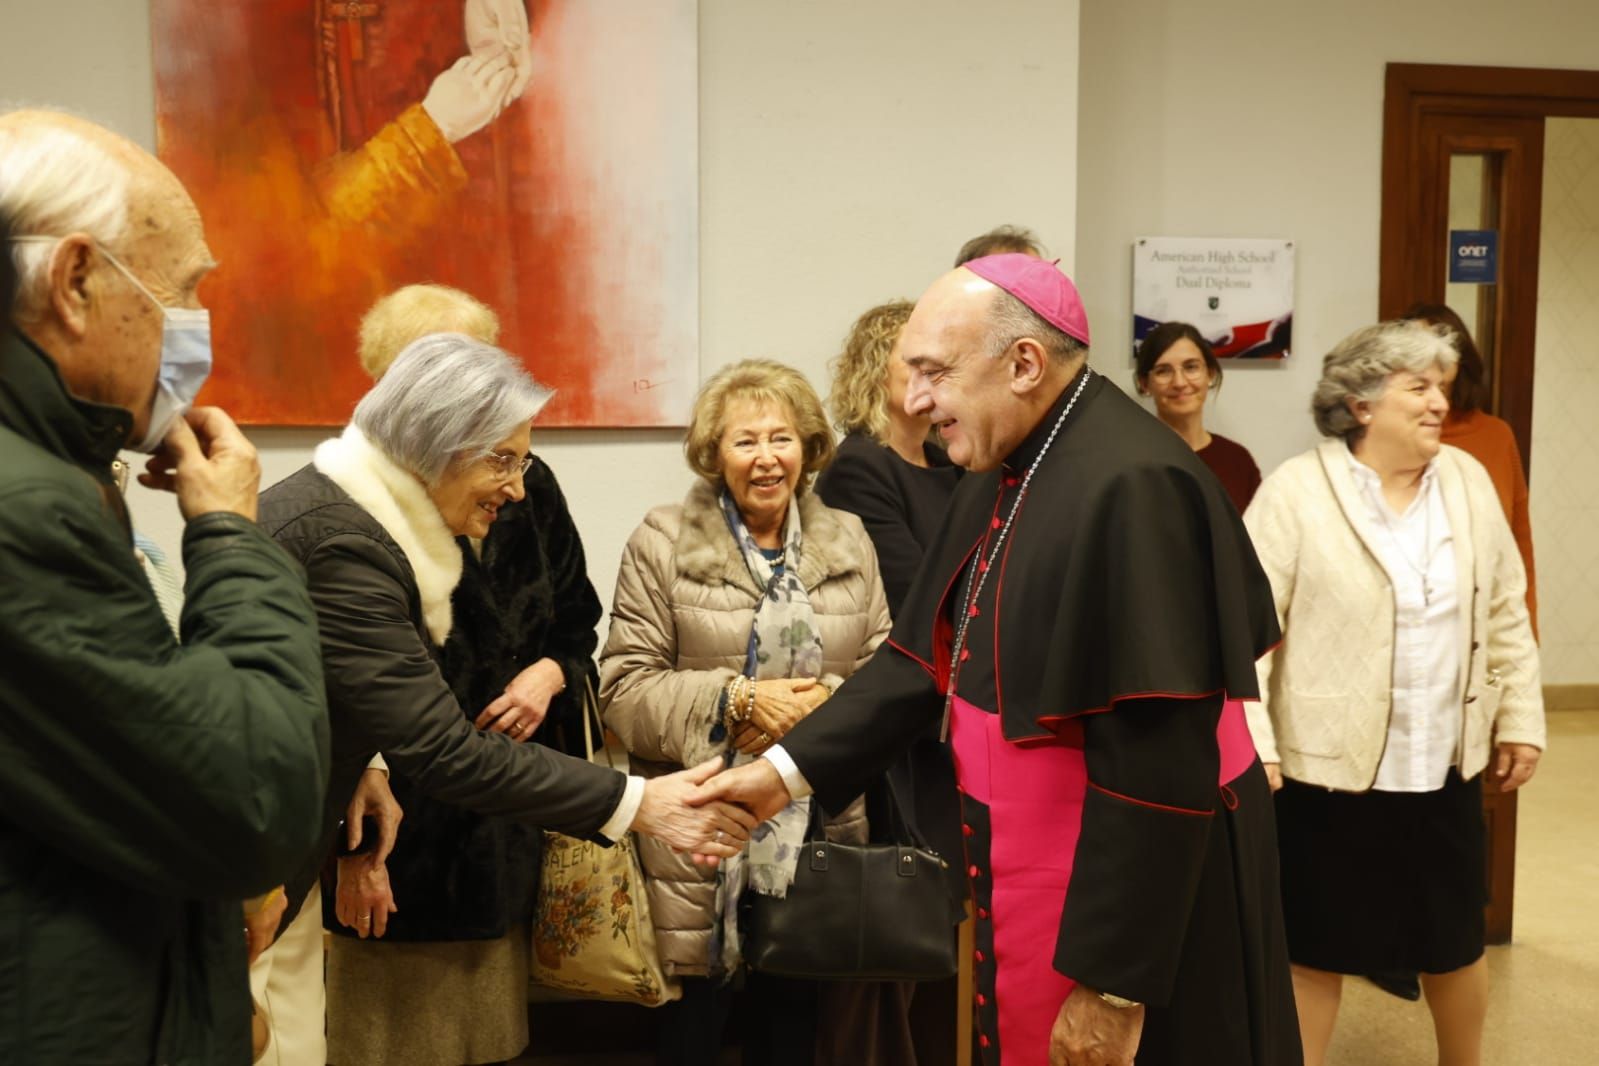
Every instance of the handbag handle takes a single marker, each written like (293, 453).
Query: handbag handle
(591, 713)
(900, 829)
(899, 826)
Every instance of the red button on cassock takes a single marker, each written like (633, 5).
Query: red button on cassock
(996, 523)
(973, 871)
(968, 830)
(978, 955)
(982, 913)
(982, 1000)
(982, 1041)
(966, 653)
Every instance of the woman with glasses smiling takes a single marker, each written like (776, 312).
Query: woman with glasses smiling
(435, 452)
(520, 649)
(1405, 684)
(1177, 368)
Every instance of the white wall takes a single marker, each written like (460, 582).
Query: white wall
(846, 151)
(1263, 118)
(1564, 495)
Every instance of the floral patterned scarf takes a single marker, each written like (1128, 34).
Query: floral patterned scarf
(784, 642)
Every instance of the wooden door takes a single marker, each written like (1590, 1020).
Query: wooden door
(1441, 123)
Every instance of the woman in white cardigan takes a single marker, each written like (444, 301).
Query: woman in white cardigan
(1407, 669)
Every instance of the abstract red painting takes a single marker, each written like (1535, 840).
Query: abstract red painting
(541, 155)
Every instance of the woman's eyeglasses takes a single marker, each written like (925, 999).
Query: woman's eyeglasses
(507, 466)
(1164, 374)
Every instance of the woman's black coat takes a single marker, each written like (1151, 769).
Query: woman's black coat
(456, 874)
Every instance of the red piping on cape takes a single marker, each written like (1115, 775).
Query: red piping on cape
(1146, 803)
(917, 659)
(1048, 720)
(999, 592)
(1045, 719)
(1042, 720)
(939, 615)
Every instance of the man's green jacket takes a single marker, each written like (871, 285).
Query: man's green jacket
(147, 787)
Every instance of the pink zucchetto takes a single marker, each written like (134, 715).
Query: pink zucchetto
(1040, 285)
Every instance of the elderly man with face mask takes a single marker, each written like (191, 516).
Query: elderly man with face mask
(1085, 622)
(149, 784)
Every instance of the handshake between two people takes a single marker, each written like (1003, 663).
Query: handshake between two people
(709, 811)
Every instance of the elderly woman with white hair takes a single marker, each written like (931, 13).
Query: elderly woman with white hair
(435, 450)
(1407, 671)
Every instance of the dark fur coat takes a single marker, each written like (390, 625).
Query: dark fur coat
(458, 875)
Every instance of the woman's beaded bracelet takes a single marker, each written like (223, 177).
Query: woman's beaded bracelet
(740, 700)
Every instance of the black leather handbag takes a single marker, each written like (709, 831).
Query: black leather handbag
(873, 912)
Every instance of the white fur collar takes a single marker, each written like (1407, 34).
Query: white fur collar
(405, 511)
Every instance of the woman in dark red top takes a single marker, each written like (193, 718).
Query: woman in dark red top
(1176, 366)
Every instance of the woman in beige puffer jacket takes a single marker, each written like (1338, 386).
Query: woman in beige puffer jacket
(681, 621)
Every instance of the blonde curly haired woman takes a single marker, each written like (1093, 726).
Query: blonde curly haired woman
(886, 470)
(889, 473)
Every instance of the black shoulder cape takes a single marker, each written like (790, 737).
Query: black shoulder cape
(1124, 555)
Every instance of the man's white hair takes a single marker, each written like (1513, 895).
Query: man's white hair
(54, 182)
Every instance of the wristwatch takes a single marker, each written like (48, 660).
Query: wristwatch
(1119, 1002)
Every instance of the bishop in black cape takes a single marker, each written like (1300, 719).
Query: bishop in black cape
(1117, 825)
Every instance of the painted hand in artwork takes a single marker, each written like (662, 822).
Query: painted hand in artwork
(469, 95)
(495, 27)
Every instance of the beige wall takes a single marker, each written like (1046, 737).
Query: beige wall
(847, 149)
(843, 160)
(1263, 118)
(1564, 494)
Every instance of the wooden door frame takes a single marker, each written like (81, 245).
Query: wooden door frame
(1429, 113)
(1410, 263)
(1413, 90)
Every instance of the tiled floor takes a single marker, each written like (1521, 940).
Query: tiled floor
(1544, 1003)
(1544, 999)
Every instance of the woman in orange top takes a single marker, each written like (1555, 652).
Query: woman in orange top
(1485, 437)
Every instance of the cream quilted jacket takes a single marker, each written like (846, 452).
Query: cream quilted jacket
(680, 625)
(1327, 688)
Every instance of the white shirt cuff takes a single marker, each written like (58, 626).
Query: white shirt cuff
(621, 819)
(798, 787)
(377, 763)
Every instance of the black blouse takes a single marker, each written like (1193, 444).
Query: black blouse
(901, 505)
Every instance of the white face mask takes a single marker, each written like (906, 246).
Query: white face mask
(185, 357)
(185, 362)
